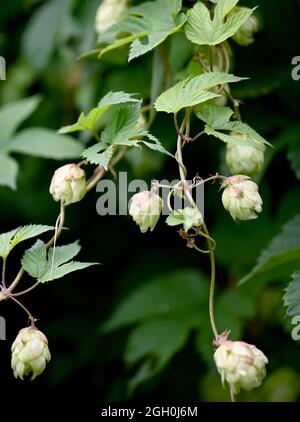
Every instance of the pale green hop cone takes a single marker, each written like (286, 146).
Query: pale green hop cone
(145, 209)
(241, 198)
(244, 159)
(68, 184)
(241, 365)
(30, 353)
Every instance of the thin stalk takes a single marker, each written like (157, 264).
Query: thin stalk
(211, 245)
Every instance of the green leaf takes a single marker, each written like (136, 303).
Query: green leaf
(61, 271)
(11, 239)
(281, 257)
(39, 35)
(8, 171)
(90, 121)
(160, 339)
(121, 129)
(171, 295)
(45, 143)
(34, 260)
(94, 155)
(191, 92)
(217, 118)
(189, 217)
(5, 239)
(12, 115)
(202, 30)
(54, 264)
(292, 295)
(145, 27)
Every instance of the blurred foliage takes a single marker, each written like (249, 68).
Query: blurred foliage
(138, 326)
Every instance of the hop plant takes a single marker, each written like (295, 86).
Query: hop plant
(68, 184)
(245, 34)
(244, 159)
(145, 209)
(240, 364)
(108, 14)
(241, 198)
(30, 353)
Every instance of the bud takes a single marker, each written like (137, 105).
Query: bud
(145, 209)
(108, 14)
(30, 353)
(244, 35)
(241, 364)
(241, 198)
(244, 159)
(68, 184)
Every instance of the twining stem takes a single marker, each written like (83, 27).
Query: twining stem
(7, 293)
(210, 242)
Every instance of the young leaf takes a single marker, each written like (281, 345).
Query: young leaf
(202, 30)
(99, 154)
(189, 217)
(217, 118)
(45, 143)
(191, 92)
(122, 129)
(90, 121)
(12, 115)
(148, 25)
(281, 257)
(54, 265)
(11, 239)
(292, 295)
(8, 171)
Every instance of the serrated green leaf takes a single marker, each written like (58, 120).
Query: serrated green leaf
(11, 239)
(217, 118)
(5, 239)
(202, 30)
(54, 264)
(148, 25)
(188, 217)
(64, 269)
(90, 121)
(12, 115)
(281, 257)
(8, 171)
(34, 260)
(191, 92)
(291, 297)
(45, 143)
(64, 253)
(94, 155)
